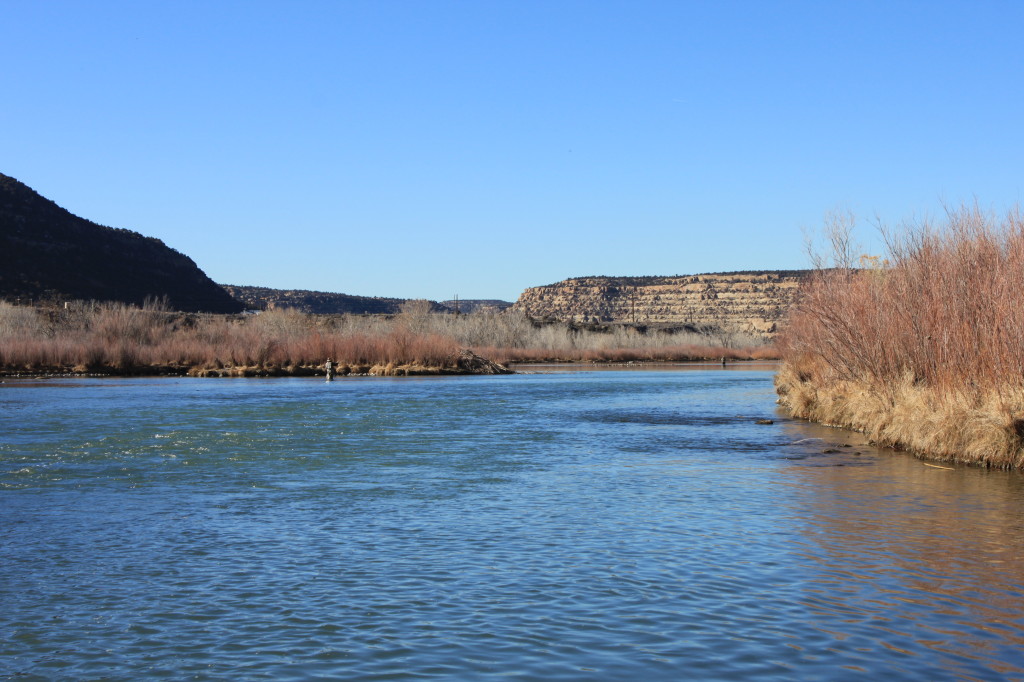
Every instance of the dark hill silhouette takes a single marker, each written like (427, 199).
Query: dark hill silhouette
(47, 253)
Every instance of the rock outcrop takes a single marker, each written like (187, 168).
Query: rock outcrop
(750, 302)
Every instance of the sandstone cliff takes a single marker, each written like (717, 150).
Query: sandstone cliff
(751, 302)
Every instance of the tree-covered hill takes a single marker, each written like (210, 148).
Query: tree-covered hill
(47, 253)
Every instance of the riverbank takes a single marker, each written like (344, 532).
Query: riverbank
(923, 351)
(488, 367)
(463, 363)
(965, 427)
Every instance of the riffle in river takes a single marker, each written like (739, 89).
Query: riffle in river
(551, 525)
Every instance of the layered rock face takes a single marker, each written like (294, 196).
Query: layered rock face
(751, 302)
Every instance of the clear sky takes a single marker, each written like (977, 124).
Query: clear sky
(427, 148)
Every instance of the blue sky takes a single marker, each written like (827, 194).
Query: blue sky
(432, 148)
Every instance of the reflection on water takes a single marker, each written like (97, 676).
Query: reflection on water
(926, 559)
(574, 525)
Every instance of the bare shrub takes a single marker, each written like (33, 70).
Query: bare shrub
(937, 326)
(21, 322)
(121, 338)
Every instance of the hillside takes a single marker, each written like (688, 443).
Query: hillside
(47, 253)
(752, 302)
(316, 302)
(468, 306)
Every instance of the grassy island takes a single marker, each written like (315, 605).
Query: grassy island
(923, 351)
(117, 339)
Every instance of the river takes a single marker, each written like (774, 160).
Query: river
(566, 525)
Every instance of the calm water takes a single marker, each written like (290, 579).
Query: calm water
(575, 525)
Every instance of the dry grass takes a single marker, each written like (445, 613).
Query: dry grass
(924, 352)
(115, 338)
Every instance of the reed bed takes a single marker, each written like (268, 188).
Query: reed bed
(922, 351)
(120, 339)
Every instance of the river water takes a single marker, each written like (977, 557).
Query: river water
(558, 525)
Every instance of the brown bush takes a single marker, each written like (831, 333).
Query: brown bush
(121, 339)
(925, 351)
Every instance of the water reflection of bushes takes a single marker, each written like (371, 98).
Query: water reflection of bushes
(940, 548)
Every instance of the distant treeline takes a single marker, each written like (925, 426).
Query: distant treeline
(315, 302)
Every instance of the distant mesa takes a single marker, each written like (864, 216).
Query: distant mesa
(752, 302)
(327, 303)
(469, 306)
(49, 254)
(315, 302)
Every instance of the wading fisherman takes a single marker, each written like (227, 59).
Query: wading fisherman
(329, 366)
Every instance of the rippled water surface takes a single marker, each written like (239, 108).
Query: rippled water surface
(573, 525)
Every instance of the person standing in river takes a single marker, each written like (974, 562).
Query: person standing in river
(329, 366)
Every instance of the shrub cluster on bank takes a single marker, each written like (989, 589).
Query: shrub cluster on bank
(121, 339)
(924, 350)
